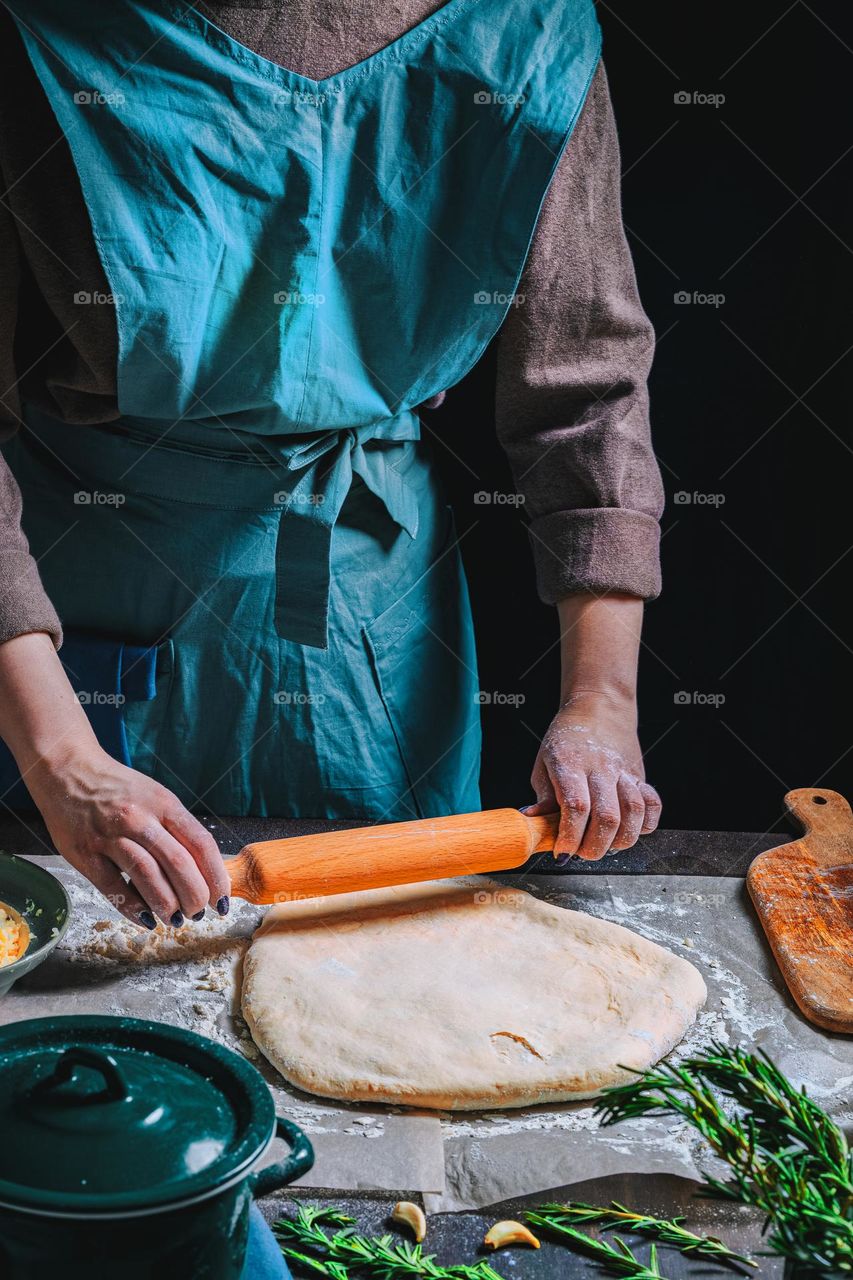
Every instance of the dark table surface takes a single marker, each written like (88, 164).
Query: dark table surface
(457, 1237)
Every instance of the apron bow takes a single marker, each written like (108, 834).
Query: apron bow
(310, 510)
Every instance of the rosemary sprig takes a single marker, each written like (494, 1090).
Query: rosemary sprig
(616, 1261)
(786, 1155)
(669, 1231)
(381, 1257)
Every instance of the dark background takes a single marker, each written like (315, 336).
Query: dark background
(750, 199)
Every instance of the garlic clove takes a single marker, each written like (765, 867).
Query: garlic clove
(509, 1232)
(411, 1215)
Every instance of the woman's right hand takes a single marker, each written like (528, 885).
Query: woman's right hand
(104, 818)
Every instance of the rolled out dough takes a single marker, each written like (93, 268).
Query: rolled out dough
(460, 995)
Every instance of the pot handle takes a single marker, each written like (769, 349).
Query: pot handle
(299, 1161)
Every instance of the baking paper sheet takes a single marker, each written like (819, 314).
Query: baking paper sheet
(191, 978)
(710, 922)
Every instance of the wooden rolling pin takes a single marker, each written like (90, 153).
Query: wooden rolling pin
(394, 853)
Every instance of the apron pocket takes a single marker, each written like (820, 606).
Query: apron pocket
(424, 661)
(145, 719)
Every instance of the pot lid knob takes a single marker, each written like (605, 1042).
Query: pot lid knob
(65, 1072)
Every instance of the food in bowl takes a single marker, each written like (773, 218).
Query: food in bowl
(14, 935)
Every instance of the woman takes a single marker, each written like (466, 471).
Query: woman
(243, 251)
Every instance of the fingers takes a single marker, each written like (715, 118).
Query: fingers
(604, 816)
(205, 851)
(166, 880)
(652, 801)
(541, 807)
(107, 819)
(107, 878)
(566, 790)
(540, 781)
(179, 867)
(574, 797)
(620, 811)
(597, 785)
(177, 879)
(148, 877)
(632, 808)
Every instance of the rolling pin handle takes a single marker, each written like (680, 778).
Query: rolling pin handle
(545, 828)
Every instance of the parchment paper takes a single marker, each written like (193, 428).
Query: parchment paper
(191, 978)
(710, 922)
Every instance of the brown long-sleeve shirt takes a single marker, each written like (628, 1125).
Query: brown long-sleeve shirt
(573, 354)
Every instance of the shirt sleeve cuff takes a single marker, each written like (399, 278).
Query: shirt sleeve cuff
(24, 606)
(597, 550)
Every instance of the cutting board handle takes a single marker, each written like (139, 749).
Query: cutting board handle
(826, 813)
(801, 891)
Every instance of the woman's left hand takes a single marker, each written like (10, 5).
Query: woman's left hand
(590, 767)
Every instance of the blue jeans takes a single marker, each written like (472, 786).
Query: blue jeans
(264, 1260)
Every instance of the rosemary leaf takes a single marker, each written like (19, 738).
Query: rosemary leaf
(381, 1258)
(668, 1231)
(785, 1155)
(616, 1261)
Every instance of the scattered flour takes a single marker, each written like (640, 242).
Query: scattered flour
(191, 977)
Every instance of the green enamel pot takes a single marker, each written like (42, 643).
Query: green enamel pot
(42, 901)
(132, 1143)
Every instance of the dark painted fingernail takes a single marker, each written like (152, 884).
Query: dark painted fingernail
(223, 905)
(146, 918)
(199, 915)
(177, 920)
(562, 858)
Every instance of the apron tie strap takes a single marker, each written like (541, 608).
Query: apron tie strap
(311, 509)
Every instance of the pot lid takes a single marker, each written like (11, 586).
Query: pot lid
(103, 1115)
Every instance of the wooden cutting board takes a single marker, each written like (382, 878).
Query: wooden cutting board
(803, 893)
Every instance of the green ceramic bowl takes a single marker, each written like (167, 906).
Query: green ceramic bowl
(42, 901)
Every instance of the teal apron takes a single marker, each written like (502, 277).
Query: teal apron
(295, 266)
